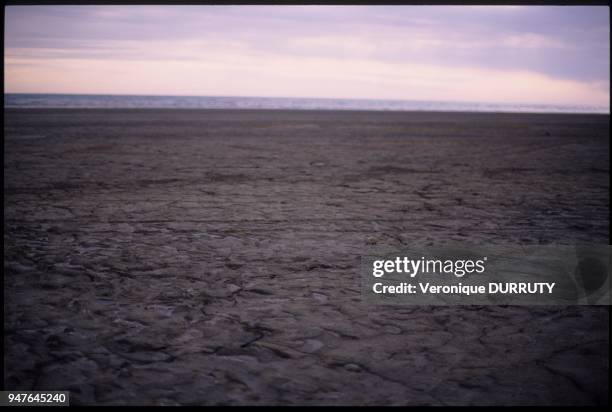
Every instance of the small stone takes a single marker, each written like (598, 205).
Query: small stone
(370, 240)
(352, 367)
(312, 345)
(319, 297)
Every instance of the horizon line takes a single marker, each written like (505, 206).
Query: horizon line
(318, 98)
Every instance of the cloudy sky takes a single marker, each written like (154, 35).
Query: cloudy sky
(550, 54)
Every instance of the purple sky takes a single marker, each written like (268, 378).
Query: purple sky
(550, 54)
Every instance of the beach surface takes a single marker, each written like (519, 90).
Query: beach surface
(212, 256)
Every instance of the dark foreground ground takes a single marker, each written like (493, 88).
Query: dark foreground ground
(212, 257)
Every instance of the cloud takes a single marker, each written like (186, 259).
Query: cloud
(298, 76)
(560, 52)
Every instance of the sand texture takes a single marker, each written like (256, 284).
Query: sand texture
(212, 257)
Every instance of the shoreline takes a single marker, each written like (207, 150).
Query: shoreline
(365, 111)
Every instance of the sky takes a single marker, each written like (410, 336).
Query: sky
(498, 54)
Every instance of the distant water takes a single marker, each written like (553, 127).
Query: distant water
(208, 102)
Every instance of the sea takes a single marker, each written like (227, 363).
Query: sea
(95, 101)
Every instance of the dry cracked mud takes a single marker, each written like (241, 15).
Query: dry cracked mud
(212, 257)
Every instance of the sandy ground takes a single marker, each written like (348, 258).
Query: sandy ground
(212, 257)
